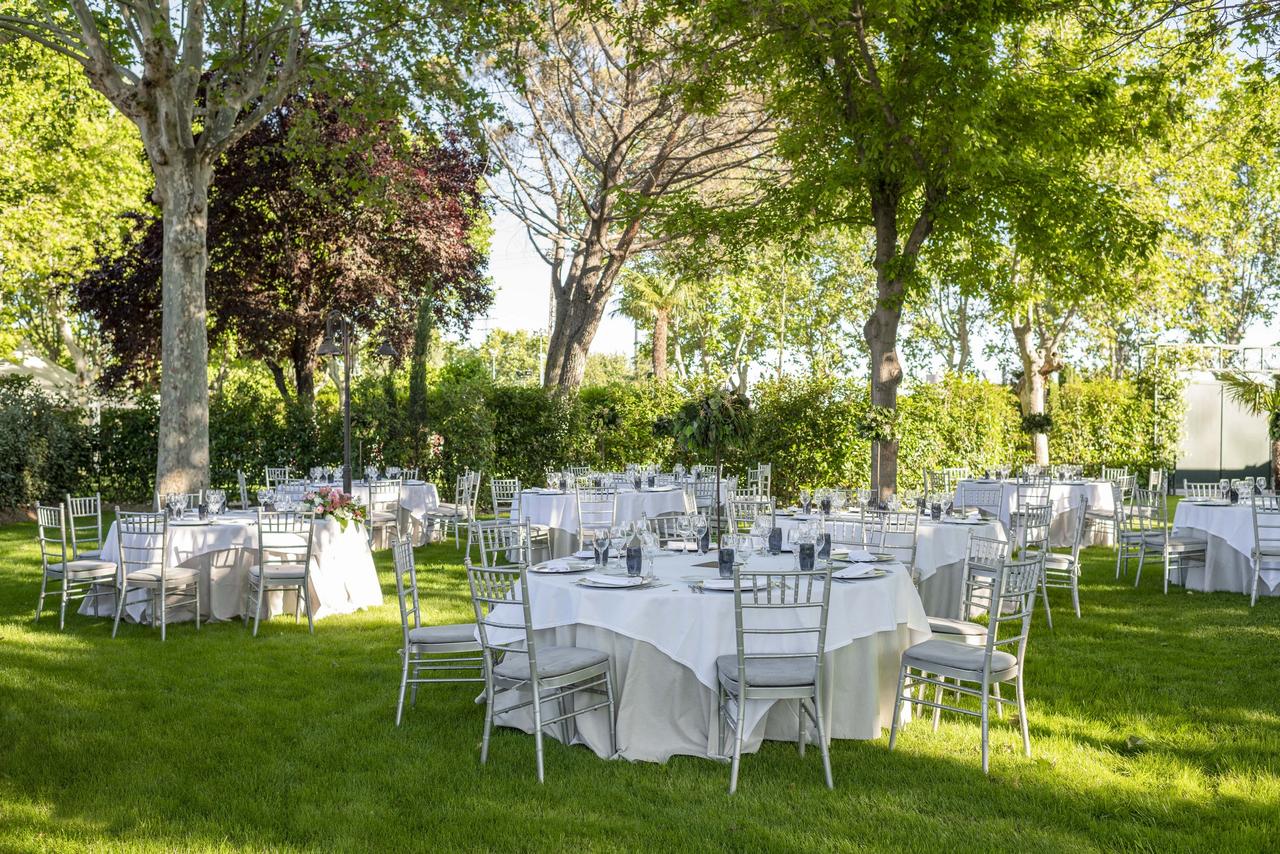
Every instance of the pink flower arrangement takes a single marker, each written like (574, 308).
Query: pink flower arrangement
(435, 445)
(329, 501)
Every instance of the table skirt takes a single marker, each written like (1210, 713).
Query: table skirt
(664, 711)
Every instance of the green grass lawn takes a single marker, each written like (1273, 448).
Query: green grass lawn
(1155, 725)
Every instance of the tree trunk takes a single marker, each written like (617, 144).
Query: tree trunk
(182, 461)
(660, 321)
(881, 333)
(1031, 389)
(577, 319)
(1275, 462)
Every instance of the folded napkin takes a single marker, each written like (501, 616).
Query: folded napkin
(557, 565)
(859, 555)
(585, 554)
(856, 570)
(613, 580)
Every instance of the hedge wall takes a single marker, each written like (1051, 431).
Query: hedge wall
(806, 426)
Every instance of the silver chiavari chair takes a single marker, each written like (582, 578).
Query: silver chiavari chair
(1131, 527)
(985, 498)
(745, 509)
(143, 540)
(1266, 540)
(579, 471)
(1176, 551)
(672, 527)
(777, 657)
(75, 576)
(597, 510)
(243, 485)
(276, 475)
(894, 532)
(704, 495)
(760, 480)
(1063, 570)
(971, 670)
(1201, 490)
(504, 491)
(984, 559)
(84, 525)
(1027, 495)
(385, 512)
(943, 482)
(284, 563)
(461, 510)
(1113, 474)
(503, 542)
(409, 474)
(1033, 533)
(1157, 480)
(440, 650)
(514, 659)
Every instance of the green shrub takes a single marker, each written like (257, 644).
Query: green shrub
(45, 447)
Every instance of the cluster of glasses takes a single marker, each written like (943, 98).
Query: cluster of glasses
(691, 528)
(370, 473)
(279, 499)
(1068, 472)
(610, 544)
(323, 474)
(561, 480)
(998, 473)
(1243, 487)
(176, 504)
(809, 540)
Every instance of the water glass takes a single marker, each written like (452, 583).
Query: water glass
(216, 499)
(700, 526)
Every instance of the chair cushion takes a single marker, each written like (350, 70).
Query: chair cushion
(1187, 544)
(955, 656)
(1057, 561)
(174, 575)
(948, 626)
(89, 554)
(768, 673)
(454, 633)
(281, 571)
(84, 568)
(383, 516)
(552, 661)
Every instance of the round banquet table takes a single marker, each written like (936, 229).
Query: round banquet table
(1229, 531)
(558, 511)
(417, 498)
(343, 577)
(941, 550)
(1063, 495)
(664, 641)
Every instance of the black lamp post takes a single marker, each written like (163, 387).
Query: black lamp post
(338, 334)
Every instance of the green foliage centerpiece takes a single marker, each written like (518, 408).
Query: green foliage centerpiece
(709, 425)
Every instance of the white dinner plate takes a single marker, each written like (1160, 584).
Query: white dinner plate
(562, 566)
(611, 581)
(726, 584)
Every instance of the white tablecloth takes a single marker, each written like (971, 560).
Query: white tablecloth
(1229, 531)
(559, 511)
(343, 577)
(941, 549)
(664, 643)
(1063, 495)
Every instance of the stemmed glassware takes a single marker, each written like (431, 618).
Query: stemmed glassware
(700, 526)
(1262, 484)
(217, 500)
(760, 533)
(600, 541)
(805, 496)
(1224, 486)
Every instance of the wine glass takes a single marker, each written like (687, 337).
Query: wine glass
(684, 530)
(700, 526)
(1224, 485)
(600, 541)
(1262, 484)
(216, 499)
(805, 495)
(760, 532)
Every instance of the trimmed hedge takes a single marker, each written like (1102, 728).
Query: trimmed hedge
(808, 427)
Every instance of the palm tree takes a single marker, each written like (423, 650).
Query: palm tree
(1260, 398)
(651, 294)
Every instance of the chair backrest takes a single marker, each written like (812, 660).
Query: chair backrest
(384, 496)
(1266, 527)
(897, 532)
(1109, 473)
(1032, 494)
(1149, 510)
(1013, 600)
(284, 537)
(579, 471)
(760, 480)
(473, 492)
(1033, 528)
(944, 481)
(503, 542)
(595, 508)
(193, 500)
(979, 496)
(1157, 480)
(276, 475)
(503, 491)
(862, 534)
(500, 596)
(745, 509)
(409, 474)
(1203, 489)
(243, 484)
(84, 522)
(982, 563)
(51, 531)
(406, 586)
(781, 615)
(704, 492)
(672, 526)
(143, 543)
(1075, 528)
